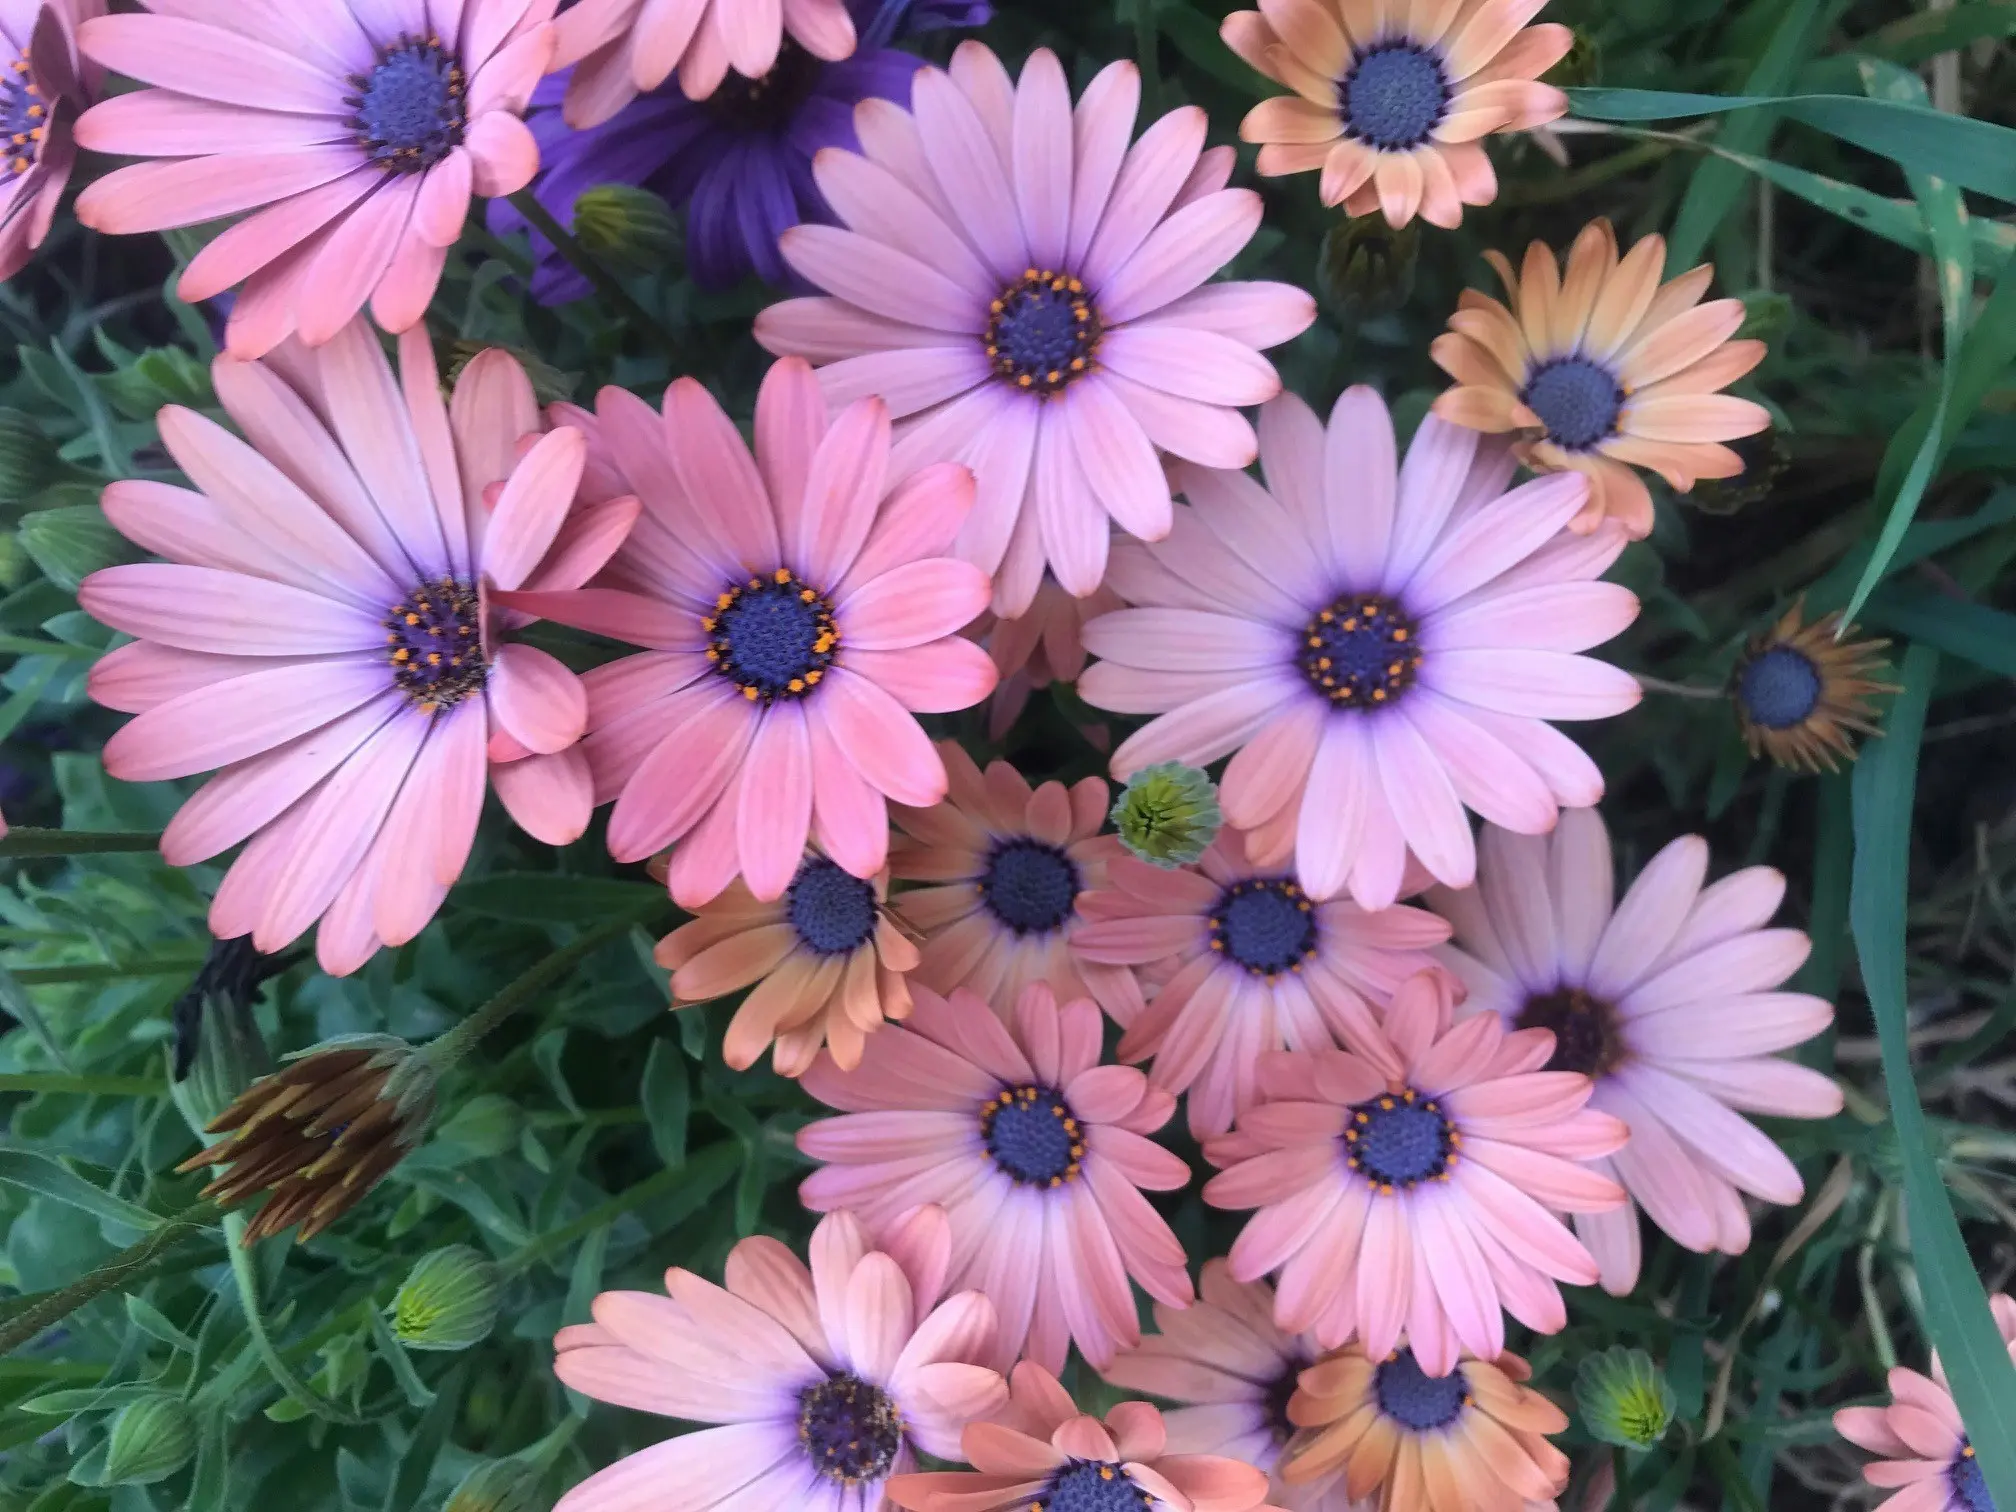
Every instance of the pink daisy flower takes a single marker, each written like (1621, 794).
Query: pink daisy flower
(1235, 1371)
(1410, 1186)
(1037, 1152)
(1926, 1460)
(1008, 866)
(1252, 965)
(356, 130)
(1668, 1002)
(323, 630)
(1044, 1453)
(42, 87)
(1378, 646)
(1042, 646)
(800, 611)
(1032, 289)
(825, 1381)
(620, 49)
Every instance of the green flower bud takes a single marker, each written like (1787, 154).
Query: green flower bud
(448, 1301)
(28, 459)
(1624, 1398)
(1765, 460)
(1366, 267)
(1168, 814)
(1767, 315)
(628, 228)
(497, 1486)
(151, 1439)
(1581, 65)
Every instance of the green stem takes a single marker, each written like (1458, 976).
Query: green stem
(1566, 186)
(129, 1265)
(255, 1321)
(56, 842)
(82, 1086)
(526, 203)
(1679, 690)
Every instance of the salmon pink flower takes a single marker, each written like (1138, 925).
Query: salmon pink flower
(1381, 644)
(1037, 1152)
(1031, 290)
(800, 611)
(325, 631)
(43, 84)
(1668, 1001)
(355, 130)
(1411, 1185)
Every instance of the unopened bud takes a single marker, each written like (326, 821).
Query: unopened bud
(448, 1301)
(1168, 814)
(1624, 1398)
(1366, 267)
(497, 1486)
(629, 228)
(150, 1440)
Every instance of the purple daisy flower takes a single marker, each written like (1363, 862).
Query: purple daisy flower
(740, 160)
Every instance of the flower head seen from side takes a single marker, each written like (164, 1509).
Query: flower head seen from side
(355, 132)
(1378, 645)
(823, 1382)
(327, 630)
(620, 49)
(44, 83)
(1045, 1454)
(1800, 690)
(1924, 1457)
(1235, 1372)
(1670, 1000)
(1411, 1186)
(799, 609)
(1391, 102)
(1253, 965)
(1030, 293)
(824, 963)
(1407, 1440)
(1038, 1153)
(1603, 370)
(1044, 644)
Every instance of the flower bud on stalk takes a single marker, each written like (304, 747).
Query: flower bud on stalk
(150, 1440)
(1623, 1398)
(1168, 815)
(497, 1486)
(449, 1300)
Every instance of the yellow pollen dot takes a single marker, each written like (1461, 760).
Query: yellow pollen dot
(750, 694)
(796, 685)
(783, 574)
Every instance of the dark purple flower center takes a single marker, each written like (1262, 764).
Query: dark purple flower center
(1264, 924)
(1415, 1399)
(771, 103)
(832, 910)
(1090, 1486)
(1779, 689)
(1970, 1486)
(851, 1431)
(772, 637)
(434, 640)
(1033, 1136)
(1576, 399)
(1398, 1141)
(1360, 652)
(1043, 332)
(412, 108)
(1029, 886)
(1278, 1394)
(1394, 96)
(1585, 1030)
(24, 116)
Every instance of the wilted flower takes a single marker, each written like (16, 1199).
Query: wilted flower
(448, 1300)
(1624, 1398)
(150, 1440)
(1168, 814)
(217, 1051)
(1800, 689)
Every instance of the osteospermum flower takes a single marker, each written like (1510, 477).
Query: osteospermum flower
(1381, 646)
(1669, 1002)
(355, 129)
(1007, 867)
(1031, 289)
(1044, 1453)
(1391, 101)
(1235, 1371)
(1471, 1440)
(1038, 1153)
(1604, 370)
(1045, 644)
(825, 1382)
(622, 48)
(800, 611)
(1456, 1150)
(1252, 965)
(827, 965)
(326, 631)
(1926, 1459)
(1800, 689)
(43, 84)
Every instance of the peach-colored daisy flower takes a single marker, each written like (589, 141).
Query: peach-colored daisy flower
(1604, 370)
(1381, 643)
(1041, 646)
(1391, 99)
(1033, 292)
(1410, 1440)
(1926, 1460)
(825, 1382)
(1007, 868)
(43, 84)
(326, 630)
(800, 610)
(1038, 1152)
(1044, 1453)
(1668, 1001)
(1457, 1152)
(827, 967)
(1252, 965)
(355, 130)
(1235, 1371)
(620, 49)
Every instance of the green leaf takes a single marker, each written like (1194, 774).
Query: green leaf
(416, 1465)
(1956, 1307)
(393, 1353)
(150, 1320)
(582, 1284)
(1918, 38)
(71, 543)
(1974, 632)
(544, 898)
(1195, 35)
(42, 1173)
(88, 1399)
(667, 1098)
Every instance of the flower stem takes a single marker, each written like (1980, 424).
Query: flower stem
(1679, 690)
(56, 842)
(129, 1265)
(243, 1272)
(526, 203)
